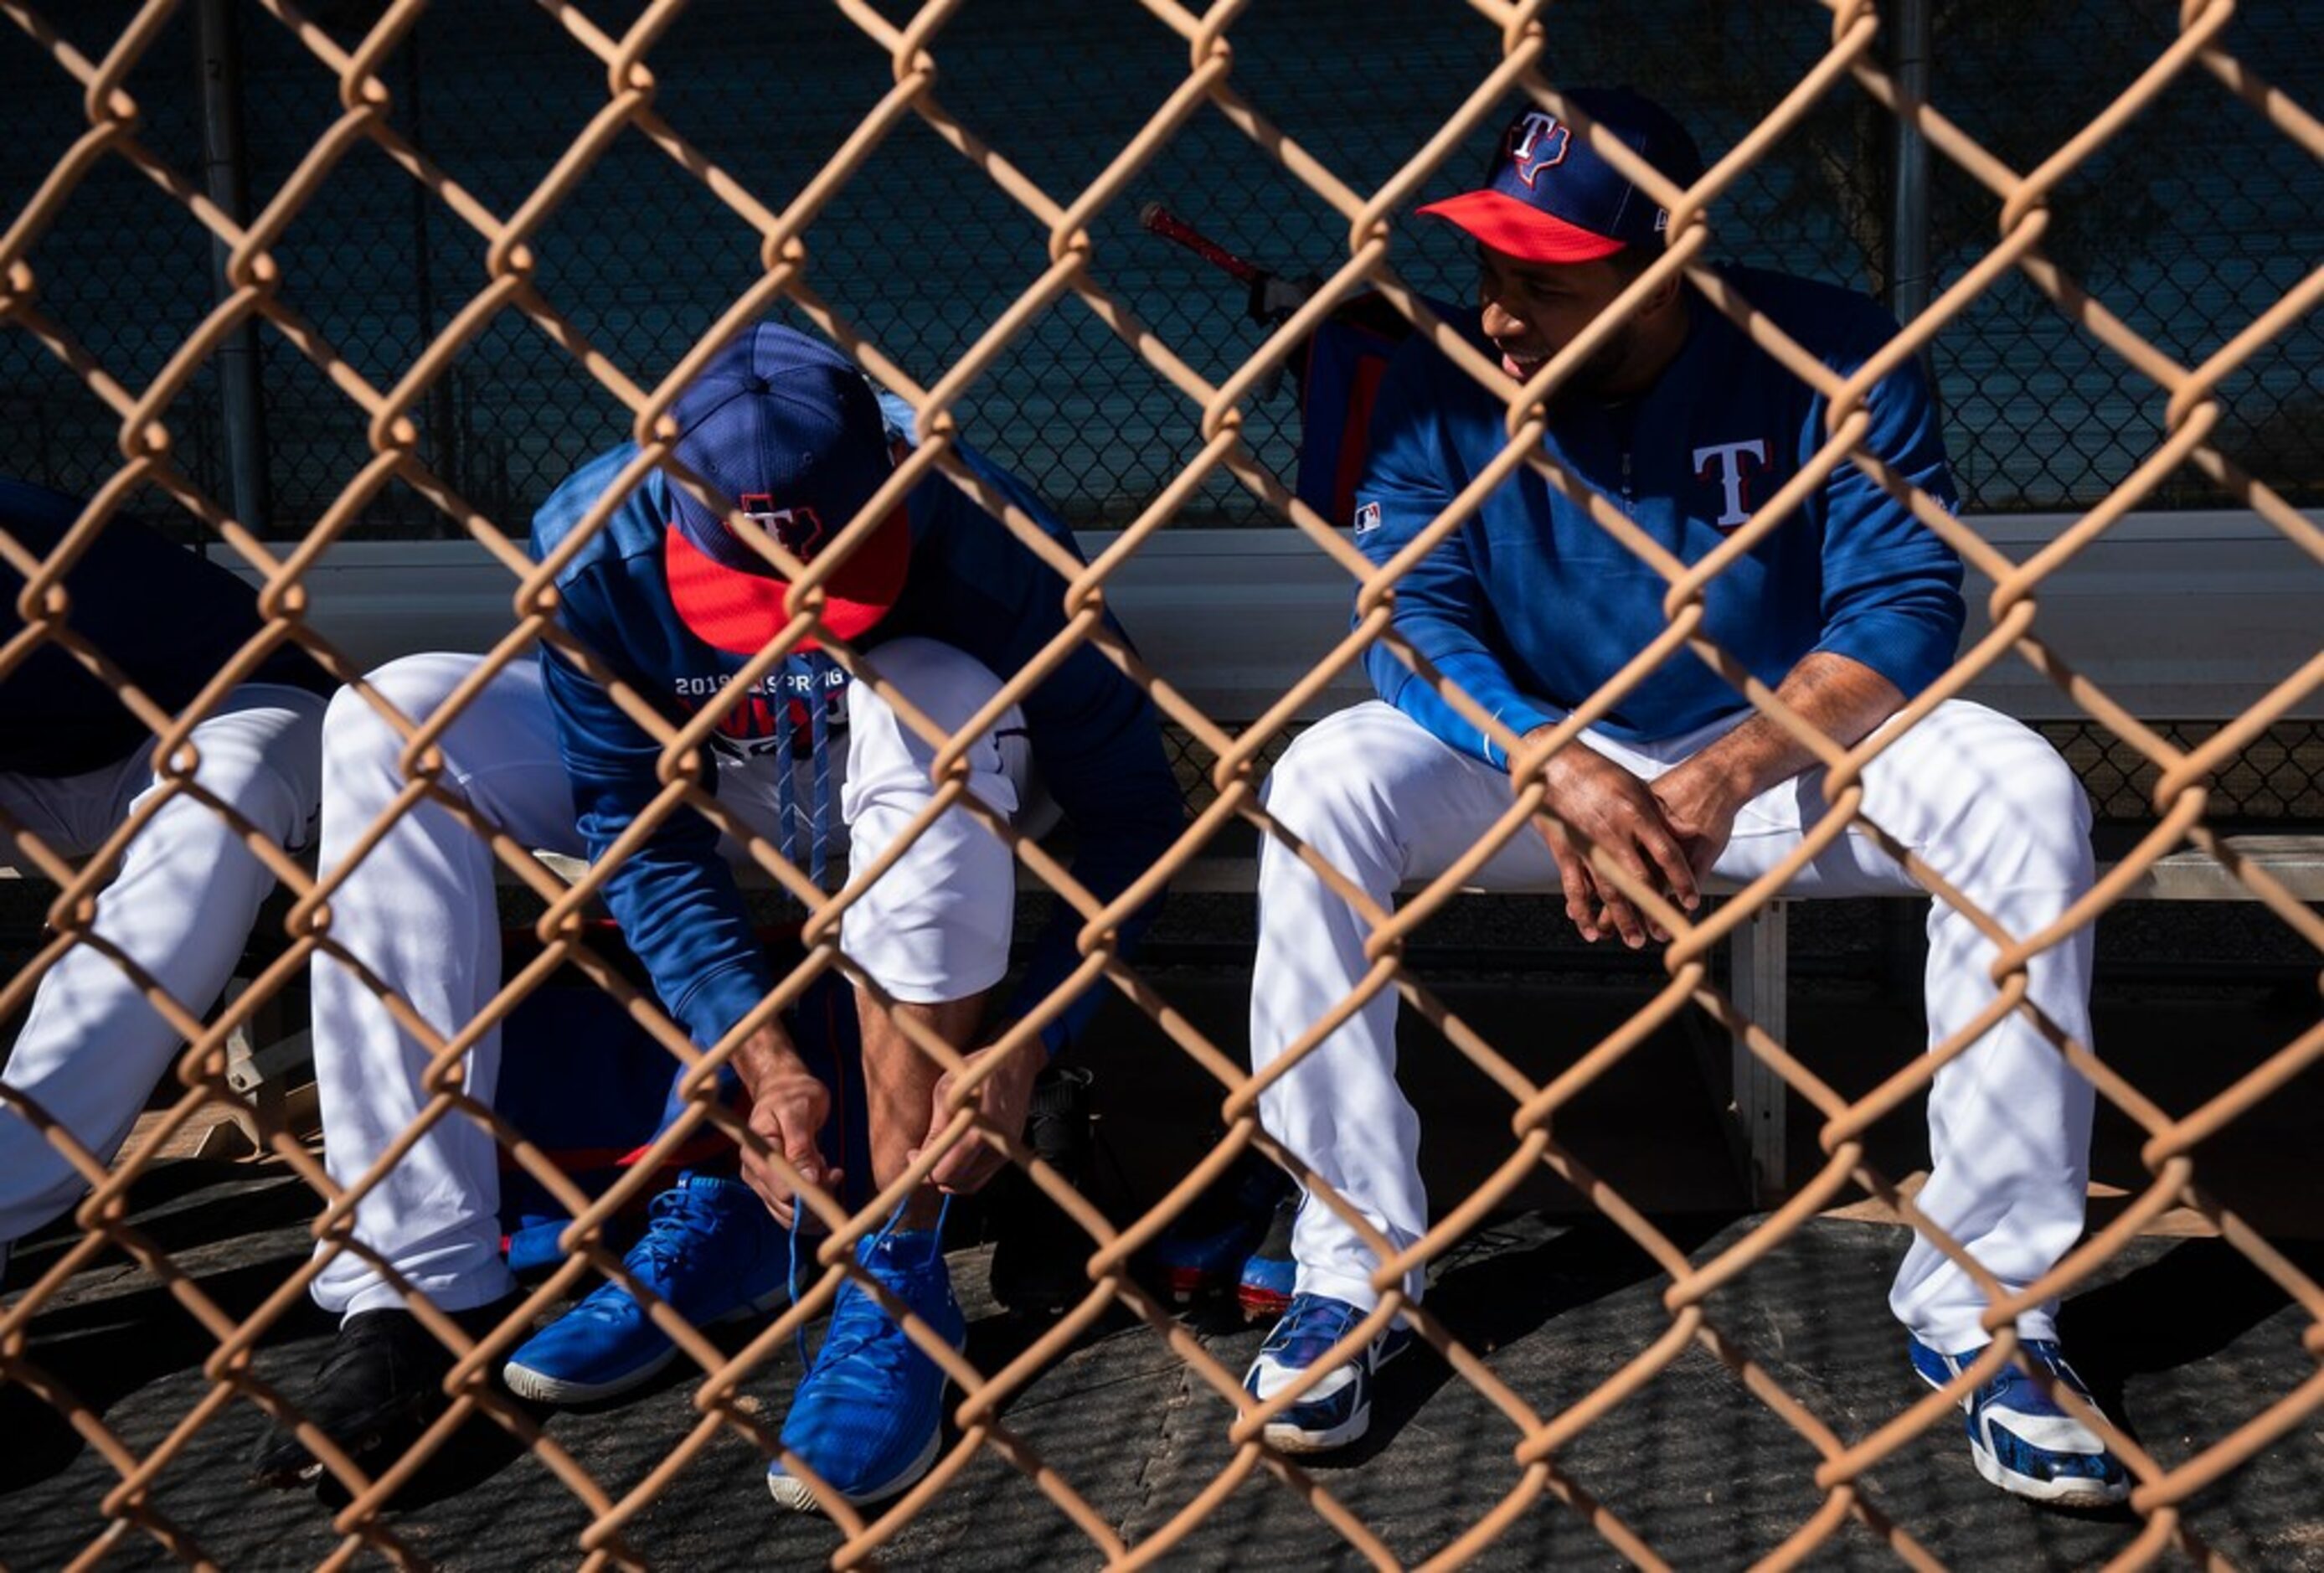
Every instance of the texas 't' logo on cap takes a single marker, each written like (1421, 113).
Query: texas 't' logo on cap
(1537, 141)
(799, 530)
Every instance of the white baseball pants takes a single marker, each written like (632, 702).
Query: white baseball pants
(1985, 802)
(421, 911)
(181, 906)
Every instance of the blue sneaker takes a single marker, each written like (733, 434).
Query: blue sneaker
(710, 1248)
(868, 1413)
(1337, 1410)
(532, 1247)
(2022, 1440)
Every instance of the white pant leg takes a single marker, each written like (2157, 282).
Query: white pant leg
(181, 906)
(936, 926)
(1986, 802)
(421, 911)
(1383, 801)
(1993, 809)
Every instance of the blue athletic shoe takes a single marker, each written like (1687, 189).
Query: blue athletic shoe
(868, 1413)
(711, 1249)
(2022, 1440)
(1337, 1410)
(532, 1245)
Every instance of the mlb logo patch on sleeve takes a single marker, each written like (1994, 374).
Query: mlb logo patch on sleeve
(1368, 518)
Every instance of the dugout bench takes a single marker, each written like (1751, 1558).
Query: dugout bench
(2188, 616)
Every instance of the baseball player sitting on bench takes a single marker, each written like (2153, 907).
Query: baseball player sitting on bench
(946, 604)
(1848, 609)
(75, 764)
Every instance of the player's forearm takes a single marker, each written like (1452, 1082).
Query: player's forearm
(1841, 698)
(766, 1057)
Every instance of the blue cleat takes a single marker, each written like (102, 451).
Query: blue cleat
(869, 1411)
(1338, 1410)
(1270, 1272)
(2022, 1439)
(1204, 1250)
(710, 1248)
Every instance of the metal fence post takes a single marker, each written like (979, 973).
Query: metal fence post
(1908, 229)
(1903, 946)
(226, 164)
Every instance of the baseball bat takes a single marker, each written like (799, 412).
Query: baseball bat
(1161, 221)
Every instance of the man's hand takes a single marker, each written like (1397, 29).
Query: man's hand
(788, 1106)
(1617, 813)
(1004, 1098)
(1698, 803)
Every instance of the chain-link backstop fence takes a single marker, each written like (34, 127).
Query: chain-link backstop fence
(486, 240)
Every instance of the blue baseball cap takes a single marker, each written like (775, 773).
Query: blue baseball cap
(1550, 198)
(788, 427)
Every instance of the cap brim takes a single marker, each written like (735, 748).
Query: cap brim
(1524, 232)
(740, 612)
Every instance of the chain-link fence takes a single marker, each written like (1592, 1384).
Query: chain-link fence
(989, 269)
(2192, 220)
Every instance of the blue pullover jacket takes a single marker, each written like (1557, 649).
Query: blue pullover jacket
(1530, 607)
(1093, 734)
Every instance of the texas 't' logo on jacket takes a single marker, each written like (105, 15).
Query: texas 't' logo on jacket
(779, 709)
(1733, 480)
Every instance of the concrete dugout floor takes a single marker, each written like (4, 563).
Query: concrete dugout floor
(2183, 1338)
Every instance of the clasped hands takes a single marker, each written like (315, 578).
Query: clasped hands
(1666, 833)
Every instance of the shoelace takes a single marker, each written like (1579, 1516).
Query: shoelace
(1311, 1319)
(673, 1222)
(2051, 1359)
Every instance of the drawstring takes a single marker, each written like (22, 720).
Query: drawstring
(806, 695)
(785, 790)
(819, 739)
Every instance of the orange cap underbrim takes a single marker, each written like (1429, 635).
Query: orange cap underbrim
(740, 612)
(1522, 231)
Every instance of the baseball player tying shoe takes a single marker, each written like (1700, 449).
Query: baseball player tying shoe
(946, 603)
(1848, 609)
(75, 764)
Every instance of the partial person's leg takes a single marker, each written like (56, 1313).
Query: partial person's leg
(420, 913)
(933, 932)
(1383, 801)
(1993, 809)
(180, 908)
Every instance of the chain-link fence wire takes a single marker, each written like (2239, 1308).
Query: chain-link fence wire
(1062, 234)
(2189, 221)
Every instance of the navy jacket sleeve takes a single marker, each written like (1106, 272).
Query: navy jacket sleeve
(674, 897)
(1409, 477)
(1891, 584)
(1095, 737)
